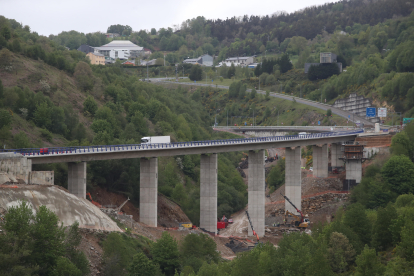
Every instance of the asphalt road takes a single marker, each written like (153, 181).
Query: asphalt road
(337, 111)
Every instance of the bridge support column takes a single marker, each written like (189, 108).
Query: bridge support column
(77, 179)
(256, 192)
(354, 170)
(148, 191)
(336, 153)
(208, 192)
(320, 161)
(293, 178)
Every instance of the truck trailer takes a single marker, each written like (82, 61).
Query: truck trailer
(156, 140)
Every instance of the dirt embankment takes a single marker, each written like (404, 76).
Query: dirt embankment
(169, 212)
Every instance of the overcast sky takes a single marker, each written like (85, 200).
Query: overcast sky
(54, 16)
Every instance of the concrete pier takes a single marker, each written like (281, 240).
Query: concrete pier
(320, 161)
(293, 178)
(148, 191)
(77, 179)
(354, 170)
(256, 194)
(336, 153)
(208, 192)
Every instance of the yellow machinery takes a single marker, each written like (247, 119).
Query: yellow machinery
(187, 225)
(297, 221)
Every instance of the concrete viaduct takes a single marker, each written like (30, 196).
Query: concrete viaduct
(76, 157)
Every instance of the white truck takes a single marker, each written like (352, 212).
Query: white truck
(156, 140)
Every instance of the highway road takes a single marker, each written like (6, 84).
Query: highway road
(342, 113)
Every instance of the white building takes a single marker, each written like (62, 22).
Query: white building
(240, 61)
(122, 49)
(205, 60)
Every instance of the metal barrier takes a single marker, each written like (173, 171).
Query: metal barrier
(134, 147)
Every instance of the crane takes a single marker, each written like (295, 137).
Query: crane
(300, 222)
(122, 205)
(251, 225)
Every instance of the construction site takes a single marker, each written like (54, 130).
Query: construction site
(103, 211)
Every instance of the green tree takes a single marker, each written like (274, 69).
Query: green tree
(90, 106)
(405, 248)
(368, 263)
(5, 118)
(276, 176)
(142, 266)
(165, 253)
(153, 31)
(340, 252)
(196, 73)
(382, 237)
(253, 93)
(285, 64)
(48, 243)
(64, 267)
(398, 172)
(231, 72)
(356, 219)
(200, 247)
(329, 113)
(401, 144)
(42, 115)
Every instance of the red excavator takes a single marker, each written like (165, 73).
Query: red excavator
(94, 202)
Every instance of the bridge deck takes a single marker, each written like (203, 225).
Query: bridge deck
(91, 153)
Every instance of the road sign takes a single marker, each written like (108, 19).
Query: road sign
(382, 112)
(371, 112)
(319, 123)
(358, 123)
(349, 116)
(407, 120)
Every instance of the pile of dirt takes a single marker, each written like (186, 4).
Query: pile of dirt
(315, 203)
(169, 212)
(312, 185)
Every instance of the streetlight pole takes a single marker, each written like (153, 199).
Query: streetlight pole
(147, 72)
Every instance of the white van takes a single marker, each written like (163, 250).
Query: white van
(302, 134)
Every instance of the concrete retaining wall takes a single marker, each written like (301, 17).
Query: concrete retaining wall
(42, 177)
(16, 166)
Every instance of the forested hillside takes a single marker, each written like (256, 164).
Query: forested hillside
(51, 96)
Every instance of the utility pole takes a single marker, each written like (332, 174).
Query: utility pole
(259, 82)
(147, 72)
(164, 59)
(227, 118)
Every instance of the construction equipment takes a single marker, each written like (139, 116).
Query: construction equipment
(122, 205)
(94, 202)
(297, 220)
(300, 222)
(251, 225)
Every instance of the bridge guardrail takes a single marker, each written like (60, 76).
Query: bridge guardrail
(286, 127)
(114, 148)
